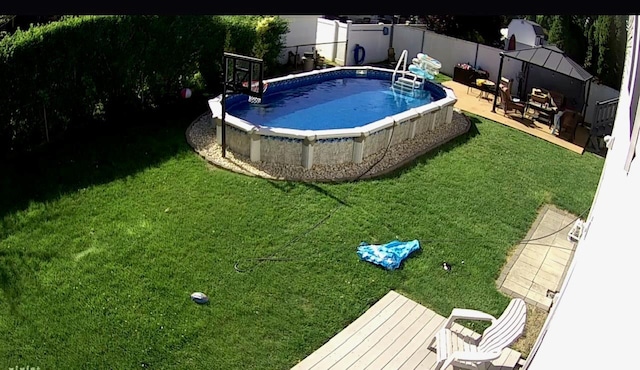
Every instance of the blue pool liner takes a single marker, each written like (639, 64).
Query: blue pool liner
(389, 255)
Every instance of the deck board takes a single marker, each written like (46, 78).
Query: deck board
(394, 333)
(469, 102)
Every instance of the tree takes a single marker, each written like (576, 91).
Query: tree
(596, 41)
(591, 54)
(481, 29)
(10, 23)
(567, 33)
(610, 34)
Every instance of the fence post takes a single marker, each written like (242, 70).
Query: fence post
(475, 62)
(334, 47)
(346, 43)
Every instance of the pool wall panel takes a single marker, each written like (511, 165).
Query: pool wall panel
(401, 132)
(327, 147)
(239, 141)
(376, 142)
(333, 151)
(281, 150)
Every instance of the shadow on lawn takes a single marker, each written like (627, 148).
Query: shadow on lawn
(288, 186)
(94, 155)
(18, 269)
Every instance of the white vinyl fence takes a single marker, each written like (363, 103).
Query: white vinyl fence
(410, 39)
(331, 37)
(451, 51)
(597, 94)
(371, 40)
(337, 42)
(302, 31)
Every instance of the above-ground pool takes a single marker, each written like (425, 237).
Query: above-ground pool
(330, 116)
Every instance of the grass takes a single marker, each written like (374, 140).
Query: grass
(101, 243)
(440, 78)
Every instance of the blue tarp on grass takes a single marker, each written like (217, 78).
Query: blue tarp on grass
(389, 255)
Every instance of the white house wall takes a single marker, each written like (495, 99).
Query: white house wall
(524, 32)
(588, 326)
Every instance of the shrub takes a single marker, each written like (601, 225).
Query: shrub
(83, 69)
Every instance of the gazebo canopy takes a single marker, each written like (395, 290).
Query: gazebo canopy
(551, 58)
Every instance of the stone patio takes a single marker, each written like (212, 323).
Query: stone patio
(537, 268)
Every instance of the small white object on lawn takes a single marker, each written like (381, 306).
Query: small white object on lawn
(199, 297)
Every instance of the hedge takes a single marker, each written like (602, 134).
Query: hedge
(84, 69)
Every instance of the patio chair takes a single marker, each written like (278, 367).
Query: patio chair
(505, 83)
(507, 104)
(568, 124)
(454, 348)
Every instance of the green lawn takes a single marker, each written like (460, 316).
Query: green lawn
(102, 242)
(442, 78)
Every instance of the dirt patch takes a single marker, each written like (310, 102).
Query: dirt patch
(535, 320)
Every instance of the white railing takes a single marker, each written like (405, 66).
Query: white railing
(401, 61)
(413, 78)
(605, 112)
(605, 115)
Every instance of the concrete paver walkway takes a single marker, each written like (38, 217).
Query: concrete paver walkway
(537, 268)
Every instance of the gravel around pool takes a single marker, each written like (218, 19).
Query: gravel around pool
(201, 135)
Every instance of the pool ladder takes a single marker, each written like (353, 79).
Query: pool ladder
(406, 82)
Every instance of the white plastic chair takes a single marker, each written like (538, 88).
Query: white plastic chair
(477, 354)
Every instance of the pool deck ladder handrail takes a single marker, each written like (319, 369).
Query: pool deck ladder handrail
(404, 83)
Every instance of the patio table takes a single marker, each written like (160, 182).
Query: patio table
(544, 113)
(486, 87)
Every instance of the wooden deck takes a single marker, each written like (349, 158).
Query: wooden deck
(394, 333)
(470, 102)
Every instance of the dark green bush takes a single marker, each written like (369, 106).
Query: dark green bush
(84, 69)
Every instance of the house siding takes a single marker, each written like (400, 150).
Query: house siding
(602, 278)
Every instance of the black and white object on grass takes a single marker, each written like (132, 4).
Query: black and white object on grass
(199, 297)
(446, 266)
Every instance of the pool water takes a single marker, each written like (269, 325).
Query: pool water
(332, 104)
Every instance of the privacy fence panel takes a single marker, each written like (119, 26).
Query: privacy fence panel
(375, 39)
(341, 49)
(326, 38)
(449, 51)
(302, 31)
(407, 38)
